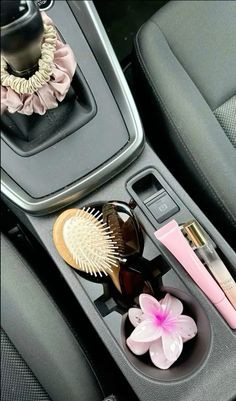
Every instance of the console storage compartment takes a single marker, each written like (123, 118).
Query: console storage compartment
(201, 358)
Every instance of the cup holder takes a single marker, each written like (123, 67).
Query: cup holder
(194, 351)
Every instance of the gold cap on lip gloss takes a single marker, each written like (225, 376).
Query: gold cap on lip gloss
(194, 233)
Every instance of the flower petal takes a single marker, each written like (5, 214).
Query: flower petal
(149, 304)
(172, 305)
(146, 331)
(185, 327)
(136, 347)
(135, 316)
(157, 355)
(172, 345)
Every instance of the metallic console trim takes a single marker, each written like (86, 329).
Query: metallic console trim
(88, 19)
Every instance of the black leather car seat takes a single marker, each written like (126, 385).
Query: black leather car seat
(186, 57)
(41, 359)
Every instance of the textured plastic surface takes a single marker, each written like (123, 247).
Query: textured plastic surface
(92, 142)
(162, 207)
(211, 358)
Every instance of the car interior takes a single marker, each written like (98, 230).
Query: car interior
(118, 200)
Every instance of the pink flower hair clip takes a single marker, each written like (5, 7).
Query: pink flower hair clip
(160, 328)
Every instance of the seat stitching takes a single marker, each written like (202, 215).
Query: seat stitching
(166, 111)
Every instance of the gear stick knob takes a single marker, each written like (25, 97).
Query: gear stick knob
(21, 36)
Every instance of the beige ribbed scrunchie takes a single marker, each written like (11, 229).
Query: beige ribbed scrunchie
(36, 81)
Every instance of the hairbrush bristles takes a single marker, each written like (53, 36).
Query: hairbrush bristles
(111, 217)
(88, 240)
(85, 241)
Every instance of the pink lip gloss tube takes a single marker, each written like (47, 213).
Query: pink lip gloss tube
(171, 236)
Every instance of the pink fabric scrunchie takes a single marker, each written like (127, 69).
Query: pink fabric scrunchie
(55, 90)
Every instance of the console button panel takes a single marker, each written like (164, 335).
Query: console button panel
(162, 206)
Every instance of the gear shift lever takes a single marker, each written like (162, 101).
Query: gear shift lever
(36, 66)
(21, 36)
(38, 77)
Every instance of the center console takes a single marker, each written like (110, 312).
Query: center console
(94, 133)
(106, 158)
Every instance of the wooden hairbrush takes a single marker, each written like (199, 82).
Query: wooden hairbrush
(86, 243)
